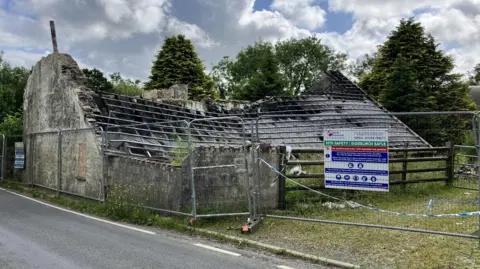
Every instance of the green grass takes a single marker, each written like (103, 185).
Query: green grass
(119, 207)
(371, 247)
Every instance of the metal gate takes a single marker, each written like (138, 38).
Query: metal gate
(218, 167)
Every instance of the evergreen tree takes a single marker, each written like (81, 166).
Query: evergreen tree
(411, 74)
(178, 63)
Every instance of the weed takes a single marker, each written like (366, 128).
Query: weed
(179, 152)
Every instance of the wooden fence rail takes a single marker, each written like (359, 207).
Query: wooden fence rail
(403, 156)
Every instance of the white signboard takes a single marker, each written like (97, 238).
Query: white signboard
(356, 159)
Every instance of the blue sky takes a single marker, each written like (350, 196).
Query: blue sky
(123, 35)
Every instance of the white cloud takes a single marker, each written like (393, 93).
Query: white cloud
(23, 58)
(124, 35)
(269, 25)
(451, 22)
(452, 25)
(192, 32)
(304, 13)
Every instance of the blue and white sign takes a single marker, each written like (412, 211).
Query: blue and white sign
(19, 155)
(356, 159)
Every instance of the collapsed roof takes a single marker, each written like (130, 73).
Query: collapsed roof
(146, 128)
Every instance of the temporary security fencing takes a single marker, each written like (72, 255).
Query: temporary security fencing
(423, 172)
(67, 161)
(270, 166)
(218, 167)
(9, 167)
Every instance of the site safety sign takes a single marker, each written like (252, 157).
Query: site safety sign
(19, 155)
(356, 159)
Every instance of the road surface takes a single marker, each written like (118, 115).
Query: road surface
(35, 235)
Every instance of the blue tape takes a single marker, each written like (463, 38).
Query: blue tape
(463, 214)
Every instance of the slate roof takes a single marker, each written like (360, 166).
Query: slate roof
(151, 129)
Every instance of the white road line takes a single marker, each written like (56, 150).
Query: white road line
(284, 267)
(80, 214)
(217, 249)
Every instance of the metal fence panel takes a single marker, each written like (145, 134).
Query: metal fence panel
(81, 163)
(44, 157)
(218, 167)
(421, 177)
(146, 166)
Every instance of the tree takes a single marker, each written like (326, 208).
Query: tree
(296, 65)
(12, 85)
(96, 81)
(362, 66)
(411, 74)
(12, 124)
(178, 63)
(222, 77)
(474, 78)
(125, 86)
(256, 73)
(303, 61)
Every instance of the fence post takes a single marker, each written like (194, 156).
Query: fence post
(3, 157)
(450, 163)
(405, 166)
(33, 164)
(59, 163)
(281, 179)
(104, 165)
(191, 171)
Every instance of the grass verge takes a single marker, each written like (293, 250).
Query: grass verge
(377, 248)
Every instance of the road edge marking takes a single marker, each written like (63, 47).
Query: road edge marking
(81, 214)
(284, 267)
(217, 249)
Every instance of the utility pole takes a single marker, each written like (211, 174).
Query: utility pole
(54, 37)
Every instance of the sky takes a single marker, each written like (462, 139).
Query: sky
(124, 35)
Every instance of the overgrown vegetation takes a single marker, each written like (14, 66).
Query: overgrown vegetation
(179, 152)
(97, 82)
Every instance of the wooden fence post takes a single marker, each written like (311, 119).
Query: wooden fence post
(450, 163)
(405, 166)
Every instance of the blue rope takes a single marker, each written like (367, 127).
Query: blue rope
(463, 214)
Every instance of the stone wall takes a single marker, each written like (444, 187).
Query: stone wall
(56, 98)
(176, 92)
(219, 188)
(152, 184)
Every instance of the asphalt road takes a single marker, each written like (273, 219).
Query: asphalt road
(34, 235)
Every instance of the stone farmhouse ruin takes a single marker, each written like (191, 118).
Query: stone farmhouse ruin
(142, 135)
